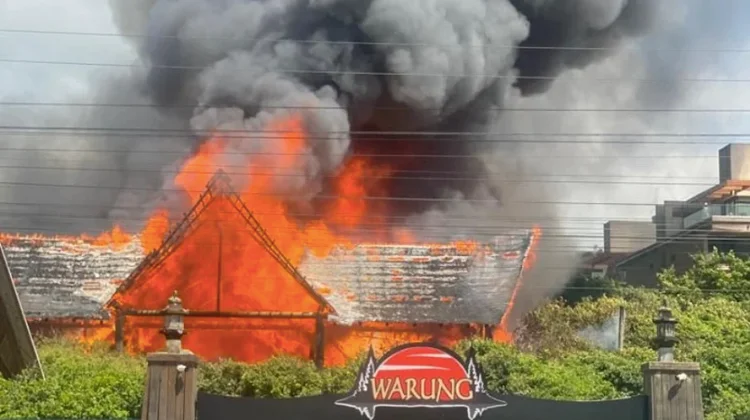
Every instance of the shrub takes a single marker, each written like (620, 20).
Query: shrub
(80, 383)
(222, 378)
(509, 371)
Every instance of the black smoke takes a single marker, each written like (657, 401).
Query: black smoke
(389, 77)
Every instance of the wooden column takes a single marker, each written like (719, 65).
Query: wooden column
(674, 390)
(319, 350)
(119, 331)
(171, 382)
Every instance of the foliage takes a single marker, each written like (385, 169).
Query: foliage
(279, 377)
(582, 287)
(80, 383)
(544, 332)
(714, 273)
(549, 360)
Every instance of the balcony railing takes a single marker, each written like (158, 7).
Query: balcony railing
(731, 209)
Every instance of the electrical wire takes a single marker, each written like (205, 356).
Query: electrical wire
(488, 76)
(365, 178)
(183, 151)
(379, 107)
(393, 136)
(328, 196)
(339, 220)
(281, 134)
(370, 43)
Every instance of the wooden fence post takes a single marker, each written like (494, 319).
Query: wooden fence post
(674, 388)
(171, 383)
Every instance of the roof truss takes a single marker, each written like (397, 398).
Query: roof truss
(218, 187)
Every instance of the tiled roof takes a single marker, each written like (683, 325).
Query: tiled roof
(410, 283)
(442, 283)
(58, 278)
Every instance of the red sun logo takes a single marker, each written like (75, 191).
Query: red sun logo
(421, 372)
(420, 376)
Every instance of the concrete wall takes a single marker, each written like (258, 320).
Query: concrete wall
(628, 236)
(642, 269)
(734, 162)
(667, 218)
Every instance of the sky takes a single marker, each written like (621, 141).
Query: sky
(678, 177)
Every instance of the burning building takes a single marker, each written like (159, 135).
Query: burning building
(253, 293)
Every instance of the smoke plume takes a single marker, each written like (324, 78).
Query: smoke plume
(382, 77)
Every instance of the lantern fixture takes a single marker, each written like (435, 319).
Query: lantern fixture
(174, 324)
(666, 334)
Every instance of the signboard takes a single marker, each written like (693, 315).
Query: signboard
(420, 376)
(418, 382)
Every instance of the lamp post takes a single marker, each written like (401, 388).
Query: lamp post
(171, 382)
(174, 324)
(666, 336)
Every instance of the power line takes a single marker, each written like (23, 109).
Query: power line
(388, 177)
(325, 197)
(280, 133)
(376, 73)
(184, 151)
(484, 228)
(526, 218)
(583, 260)
(395, 136)
(370, 43)
(425, 236)
(382, 107)
(284, 170)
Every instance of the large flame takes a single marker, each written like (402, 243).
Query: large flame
(220, 266)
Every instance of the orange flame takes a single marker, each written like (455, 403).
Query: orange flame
(503, 332)
(116, 238)
(221, 266)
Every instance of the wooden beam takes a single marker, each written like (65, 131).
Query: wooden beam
(227, 314)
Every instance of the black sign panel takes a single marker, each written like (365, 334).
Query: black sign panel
(215, 407)
(418, 381)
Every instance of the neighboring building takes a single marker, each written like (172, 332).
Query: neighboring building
(717, 217)
(621, 238)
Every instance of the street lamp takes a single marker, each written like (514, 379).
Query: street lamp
(666, 336)
(174, 324)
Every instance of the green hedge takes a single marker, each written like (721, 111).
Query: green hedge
(96, 383)
(79, 383)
